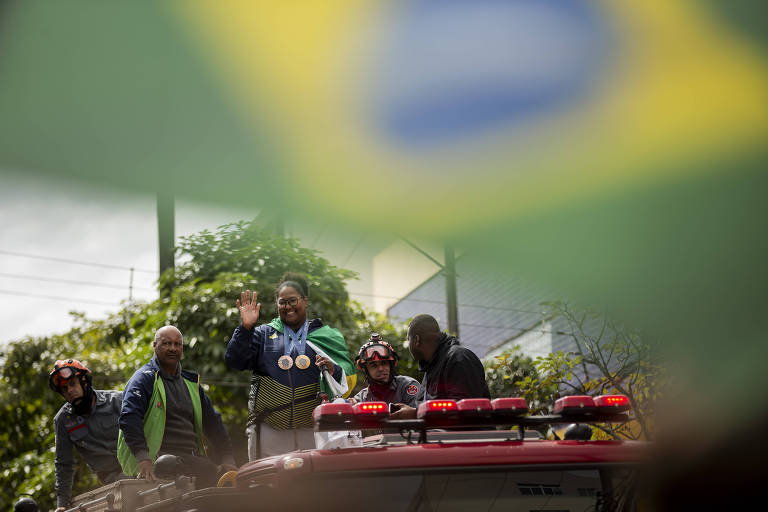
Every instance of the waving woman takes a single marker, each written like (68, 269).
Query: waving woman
(286, 356)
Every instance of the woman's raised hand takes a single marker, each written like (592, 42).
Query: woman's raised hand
(249, 308)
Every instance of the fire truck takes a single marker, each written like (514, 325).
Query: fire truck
(472, 454)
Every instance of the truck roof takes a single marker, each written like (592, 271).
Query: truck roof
(466, 455)
(446, 455)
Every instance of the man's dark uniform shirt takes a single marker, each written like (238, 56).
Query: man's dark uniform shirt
(95, 437)
(454, 372)
(402, 389)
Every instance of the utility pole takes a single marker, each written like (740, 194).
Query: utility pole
(165, 230)
(130, 303)
(130, 287)
(449, 271)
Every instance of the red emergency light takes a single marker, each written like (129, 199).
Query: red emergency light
(432, 408)
(509, 406)
(612, 403)
(474, 407)
(575, 405)
(371, 408)
(475, 413)
(333, 413)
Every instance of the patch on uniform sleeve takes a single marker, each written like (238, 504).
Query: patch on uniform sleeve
(274, 336)
(412, 389)
(74, 423)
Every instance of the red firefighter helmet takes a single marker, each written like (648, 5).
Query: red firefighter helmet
(376, 349)
(65, 369)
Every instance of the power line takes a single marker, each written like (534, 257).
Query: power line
(518, 329)
(75, 262)
(54, 297)
(317, 237)
(68, 281)
(115, 286)
(442, 302)
(359, 241)
(106, 285)
(103, 265)
(203, 380)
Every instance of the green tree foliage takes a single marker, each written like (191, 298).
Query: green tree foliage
(510, 374)
(608, 360)
(198, 297)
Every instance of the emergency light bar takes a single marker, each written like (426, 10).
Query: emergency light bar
(612, 403)
(371, 408)
(509, 406)
(333, 413)
(479, 413)
(437, 408)
(575, 405)
(475, 407)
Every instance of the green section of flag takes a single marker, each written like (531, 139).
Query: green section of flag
(684, 260)
(111, 92)
(747, 17)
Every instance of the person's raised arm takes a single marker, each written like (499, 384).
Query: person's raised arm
(249, 308)
(242, 353)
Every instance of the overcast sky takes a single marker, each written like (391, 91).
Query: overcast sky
(107, 231)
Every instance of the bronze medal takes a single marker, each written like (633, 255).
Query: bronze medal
(302, 362)
(285, 362)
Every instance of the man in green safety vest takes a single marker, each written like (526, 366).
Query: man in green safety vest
(166, 411)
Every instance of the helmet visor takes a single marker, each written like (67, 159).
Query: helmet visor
(375, 352)
(64, 374)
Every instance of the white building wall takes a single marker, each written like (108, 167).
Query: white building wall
(534, 343)
(398, 269)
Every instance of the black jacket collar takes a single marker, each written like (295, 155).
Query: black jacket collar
(444, 342)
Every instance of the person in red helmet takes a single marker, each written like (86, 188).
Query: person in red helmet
(88, 421)
(378, 362)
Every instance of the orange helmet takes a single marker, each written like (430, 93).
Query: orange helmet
(65, 369)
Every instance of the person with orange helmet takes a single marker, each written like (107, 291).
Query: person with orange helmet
(378, 362)
(88, 422)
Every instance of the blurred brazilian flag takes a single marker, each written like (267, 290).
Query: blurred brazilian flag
(614, 149)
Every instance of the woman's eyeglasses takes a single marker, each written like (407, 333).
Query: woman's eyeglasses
(291, 301)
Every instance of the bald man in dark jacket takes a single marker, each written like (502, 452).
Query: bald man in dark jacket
(450, 370)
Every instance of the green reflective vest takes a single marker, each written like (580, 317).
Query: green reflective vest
(154, 425)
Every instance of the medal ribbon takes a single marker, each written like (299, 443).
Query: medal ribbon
(296, 340)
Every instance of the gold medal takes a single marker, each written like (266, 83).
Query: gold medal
(285, 362)
(302, 362)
